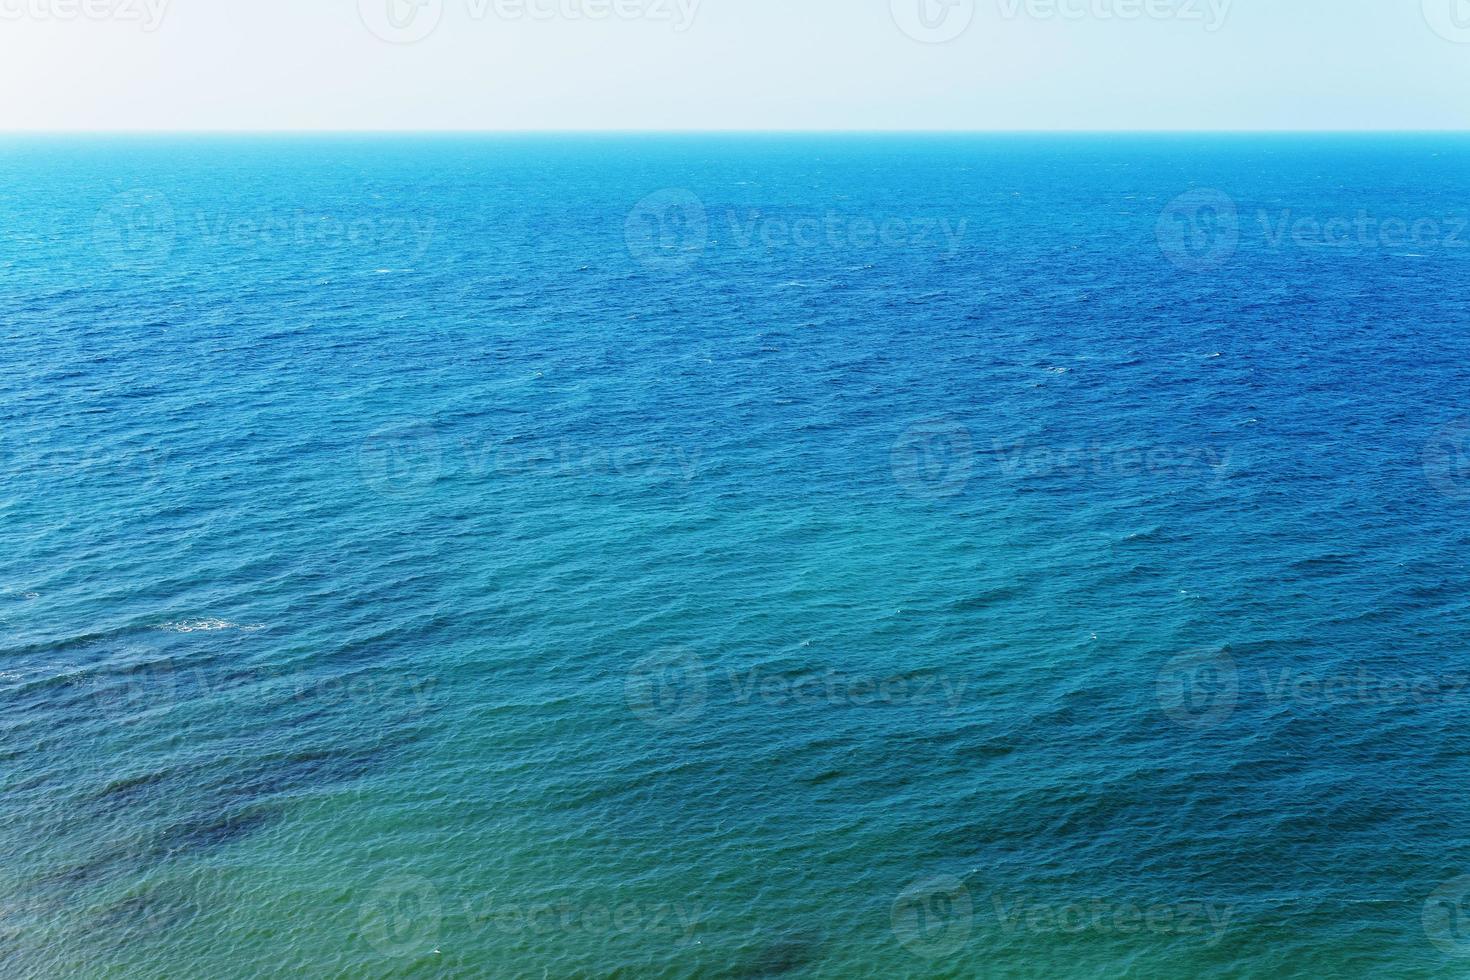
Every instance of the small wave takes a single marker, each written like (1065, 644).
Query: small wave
(207, 626)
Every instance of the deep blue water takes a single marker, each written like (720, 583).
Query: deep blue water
(735, 556)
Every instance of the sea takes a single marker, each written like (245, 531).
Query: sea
(735, 555)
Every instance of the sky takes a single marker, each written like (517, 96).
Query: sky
(734, 64)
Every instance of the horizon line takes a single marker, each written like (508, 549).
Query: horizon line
(792, 131)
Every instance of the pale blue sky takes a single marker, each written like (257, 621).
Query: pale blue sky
(735, 64)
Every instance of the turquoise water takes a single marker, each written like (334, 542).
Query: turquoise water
(734, 557)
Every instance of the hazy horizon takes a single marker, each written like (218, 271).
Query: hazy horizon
(712, 66)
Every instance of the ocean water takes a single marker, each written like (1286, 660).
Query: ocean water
(735, 557)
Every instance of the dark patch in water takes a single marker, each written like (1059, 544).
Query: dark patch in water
(104, 866)
(211, 831)
(83, 874)
(120, 792)
(785, 955)
(153, 911)
(305, 770)
(196, 810)
(824, 777)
